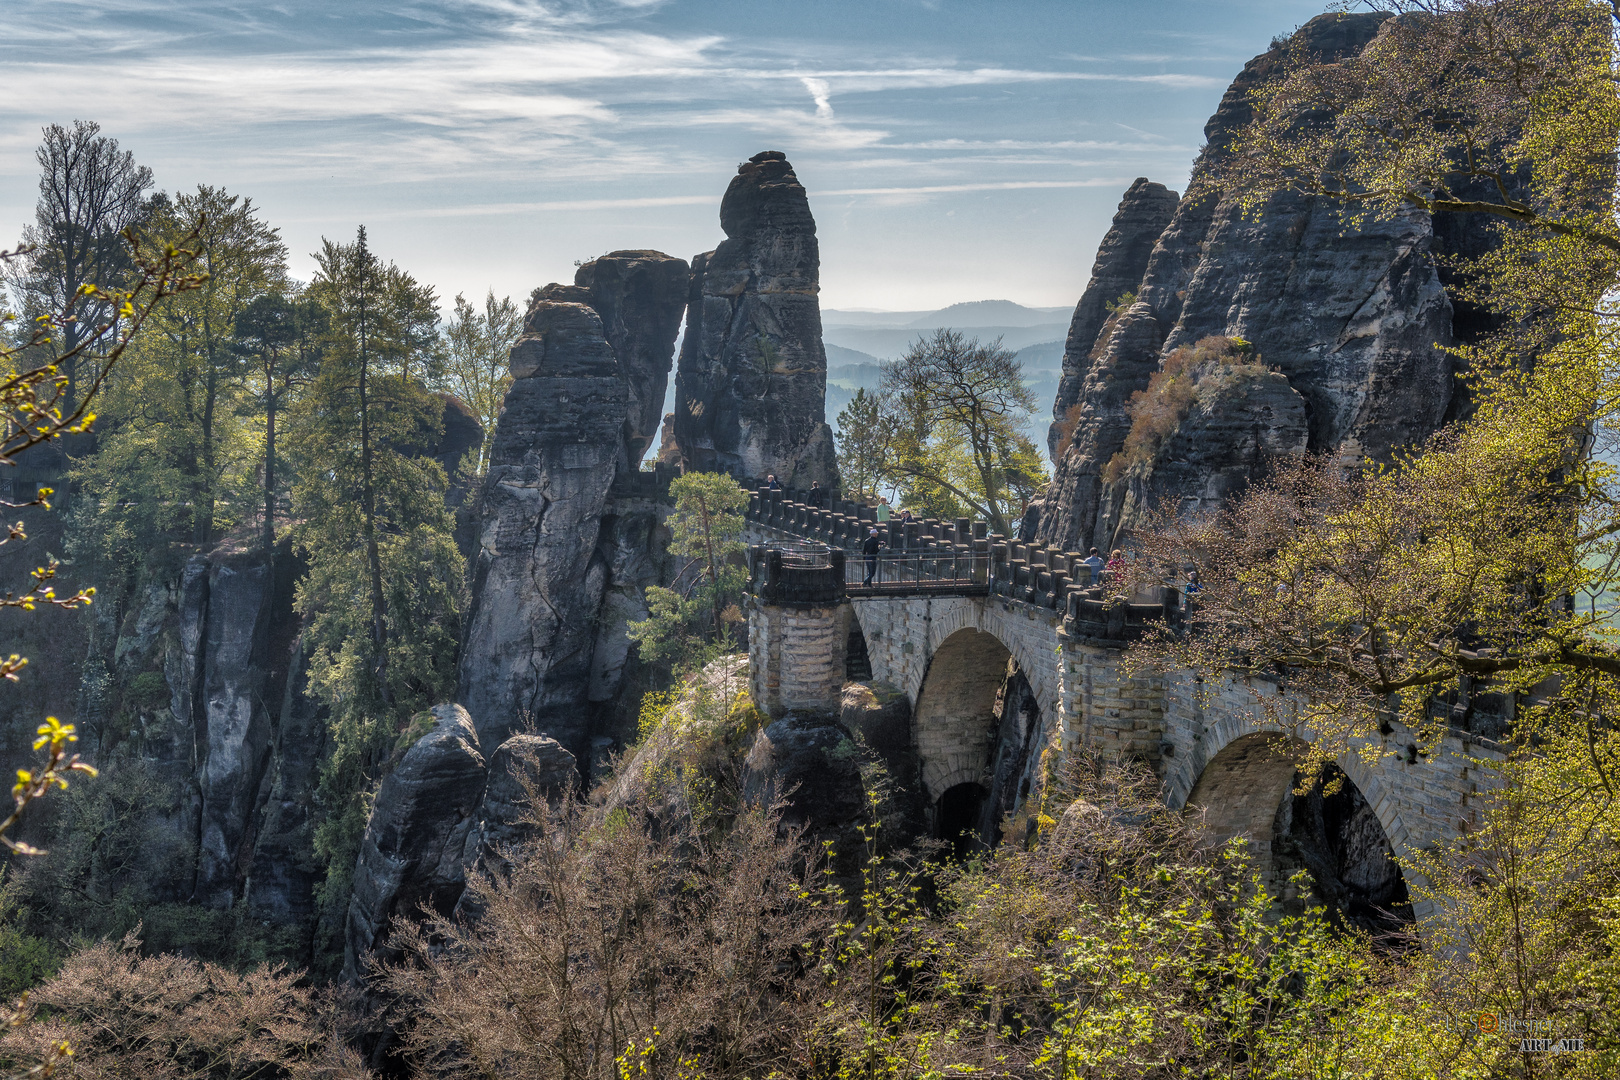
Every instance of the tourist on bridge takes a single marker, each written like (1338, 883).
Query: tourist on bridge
(883, 511)
(1094, 563)
(1115, 570)
(817, 497)
(870, 549)
(771, 484)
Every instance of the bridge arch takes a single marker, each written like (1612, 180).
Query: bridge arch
(1242, 779)
(953, 721)
(904, 636)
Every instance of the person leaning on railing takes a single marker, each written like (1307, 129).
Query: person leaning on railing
(870, 548)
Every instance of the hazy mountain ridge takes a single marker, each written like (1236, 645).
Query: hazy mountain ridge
(970, 314)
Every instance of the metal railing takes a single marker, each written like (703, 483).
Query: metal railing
(959, 557)
(958, 571)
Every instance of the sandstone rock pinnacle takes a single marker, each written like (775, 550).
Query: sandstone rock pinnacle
(752, 382)
(538, 581)
(1349, 324)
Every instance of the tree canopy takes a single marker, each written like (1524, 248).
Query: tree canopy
(946, 429)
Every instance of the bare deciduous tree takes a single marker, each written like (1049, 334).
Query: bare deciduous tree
(90, 191)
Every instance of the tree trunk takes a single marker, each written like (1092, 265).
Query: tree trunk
(203, 523)
(269, 467)
(368, 497)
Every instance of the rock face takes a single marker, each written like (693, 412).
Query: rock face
(878, 714)
(234, 726)
(284, 872)
(411, 856)
(814, 765)
(539, 580)
(1338, 839)
(545, 764)
(1121, 261)
(1350, 320)
(751, 388)
(570, 535)
(639, 296)
(1239, 425)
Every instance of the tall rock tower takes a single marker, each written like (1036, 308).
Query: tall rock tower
(750, 392)
(567, 545)
(1344, 330)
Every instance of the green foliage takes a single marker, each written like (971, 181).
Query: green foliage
(477, 345)
(383, 597)
(179, 441)
(1125, 300)
(148, 690)
(863, 444)
(1484, 561)
(947, 430)
(692, 623)
(281, 339)
(25, 960)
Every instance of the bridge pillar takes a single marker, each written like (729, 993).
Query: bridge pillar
(798, 635)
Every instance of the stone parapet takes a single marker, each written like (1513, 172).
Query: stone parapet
(796, 656)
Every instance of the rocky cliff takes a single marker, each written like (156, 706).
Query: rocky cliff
(751, 388)
(539, 579)
(411, 855)
(569, 529)
(1353, 322)
(640, 297)
(1121, 261)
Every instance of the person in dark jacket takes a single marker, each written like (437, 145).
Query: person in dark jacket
(771, 484)
(870, 548)
(817, 497)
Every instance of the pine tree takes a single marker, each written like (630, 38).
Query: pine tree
(383, 597)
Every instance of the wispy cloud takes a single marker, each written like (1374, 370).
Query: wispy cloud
(547, 81)
(544, 127)
(819, 91)
(503, 209)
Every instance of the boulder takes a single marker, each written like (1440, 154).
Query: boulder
(411, 855)
(546, 767)
(751, 386)
(813, 764)
(878, 716)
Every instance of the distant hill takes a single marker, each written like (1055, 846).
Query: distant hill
(1041, 356)
(974, 314)
(979, 313)
(838, 356)
(890, 342)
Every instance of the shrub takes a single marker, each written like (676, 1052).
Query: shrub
(1066, 426)
(1187, 374)
(167, 1018)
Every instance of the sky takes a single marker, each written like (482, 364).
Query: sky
(953, 150)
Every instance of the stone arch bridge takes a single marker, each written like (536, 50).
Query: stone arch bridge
(970, 630)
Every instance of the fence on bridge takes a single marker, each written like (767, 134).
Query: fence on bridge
(820, 560)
